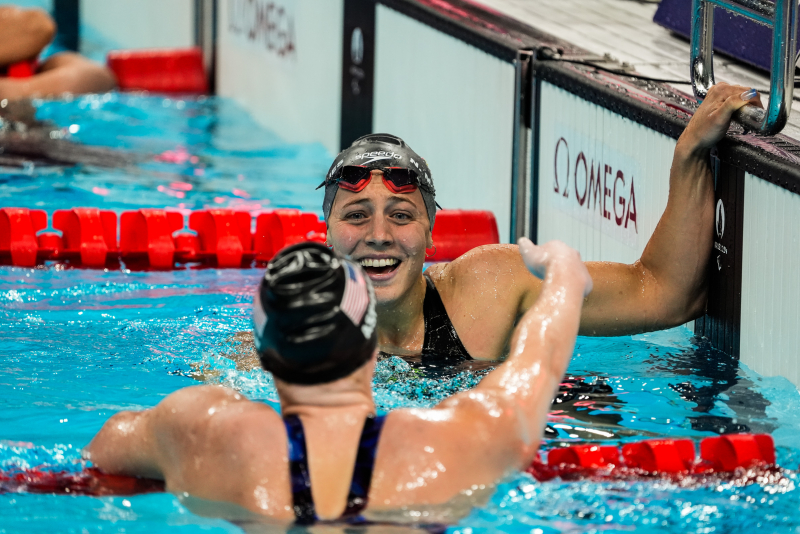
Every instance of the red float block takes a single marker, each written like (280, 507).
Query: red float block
(660, 455)
(50, 246)
(187, 247)
(726, 453)
(584, 456)
(89, 235)
(18, 243)
(458, 231)
(146, 237)
(280, 228)
(178, 70)
(224, 235)
(22, 69)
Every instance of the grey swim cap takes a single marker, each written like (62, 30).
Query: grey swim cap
(381, 151)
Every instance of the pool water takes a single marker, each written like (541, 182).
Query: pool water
(79, 345)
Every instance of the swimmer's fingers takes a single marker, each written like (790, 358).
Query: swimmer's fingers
(713, 118)
(555, 255)
(534, 257)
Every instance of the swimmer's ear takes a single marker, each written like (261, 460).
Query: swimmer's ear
(328, 238)
(429, 239)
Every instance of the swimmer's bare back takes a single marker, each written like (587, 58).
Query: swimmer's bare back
(213, 445)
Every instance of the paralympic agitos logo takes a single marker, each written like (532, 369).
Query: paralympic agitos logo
(594, 186)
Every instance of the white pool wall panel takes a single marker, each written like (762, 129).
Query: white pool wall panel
(454, 105)
(643, 156)
(137, 24)
(770, 322)
(294, 90)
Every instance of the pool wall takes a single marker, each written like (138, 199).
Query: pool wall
(282, 61)
(506, 131)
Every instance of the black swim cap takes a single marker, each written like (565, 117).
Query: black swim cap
(377, 151)
(313, 316)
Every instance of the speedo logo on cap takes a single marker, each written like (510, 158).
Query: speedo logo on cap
(377, 155)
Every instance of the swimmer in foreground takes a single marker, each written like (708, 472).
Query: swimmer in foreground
(327, 456)
(380, 209)
(24, 33)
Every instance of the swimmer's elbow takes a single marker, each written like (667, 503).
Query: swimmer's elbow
(681, 311)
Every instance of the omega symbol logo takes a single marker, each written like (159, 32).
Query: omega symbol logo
(357, 46)
(720, 219)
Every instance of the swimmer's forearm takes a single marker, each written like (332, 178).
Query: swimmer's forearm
(678, 252)
(541, 348)
(667, 286)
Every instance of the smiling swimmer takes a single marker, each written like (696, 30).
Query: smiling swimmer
(379, 206)
(327, 456)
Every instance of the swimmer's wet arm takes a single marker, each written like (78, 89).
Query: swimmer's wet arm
(668, 285)
(518, 394)
(124, 446)
(152, 443)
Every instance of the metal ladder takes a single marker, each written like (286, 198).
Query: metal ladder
(782, 17)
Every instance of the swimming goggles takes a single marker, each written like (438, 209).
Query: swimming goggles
(356, 177)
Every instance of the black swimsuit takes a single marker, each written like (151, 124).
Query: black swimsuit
(441, 339)
(303, 501)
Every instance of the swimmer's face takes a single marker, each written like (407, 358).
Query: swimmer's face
(385, 232)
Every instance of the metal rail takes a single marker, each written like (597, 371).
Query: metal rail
(782, 17)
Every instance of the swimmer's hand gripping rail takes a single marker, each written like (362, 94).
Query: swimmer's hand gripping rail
(782, 17)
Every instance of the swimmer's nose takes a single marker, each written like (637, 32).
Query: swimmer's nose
(379, 234)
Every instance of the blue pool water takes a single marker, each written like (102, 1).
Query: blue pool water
(79, 345)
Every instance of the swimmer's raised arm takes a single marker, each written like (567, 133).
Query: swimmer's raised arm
(23, 33)
(666, 287)
(498, 425)
(543, 341)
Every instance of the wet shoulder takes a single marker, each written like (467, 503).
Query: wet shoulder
(205, 417)
(495, 265)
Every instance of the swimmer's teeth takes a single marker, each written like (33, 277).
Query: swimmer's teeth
(378, 263)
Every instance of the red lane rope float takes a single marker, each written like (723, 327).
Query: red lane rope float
(747, 456)
(22, 69)
(159, 239)
(459, 231)
(90, 481)
(178, 70)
